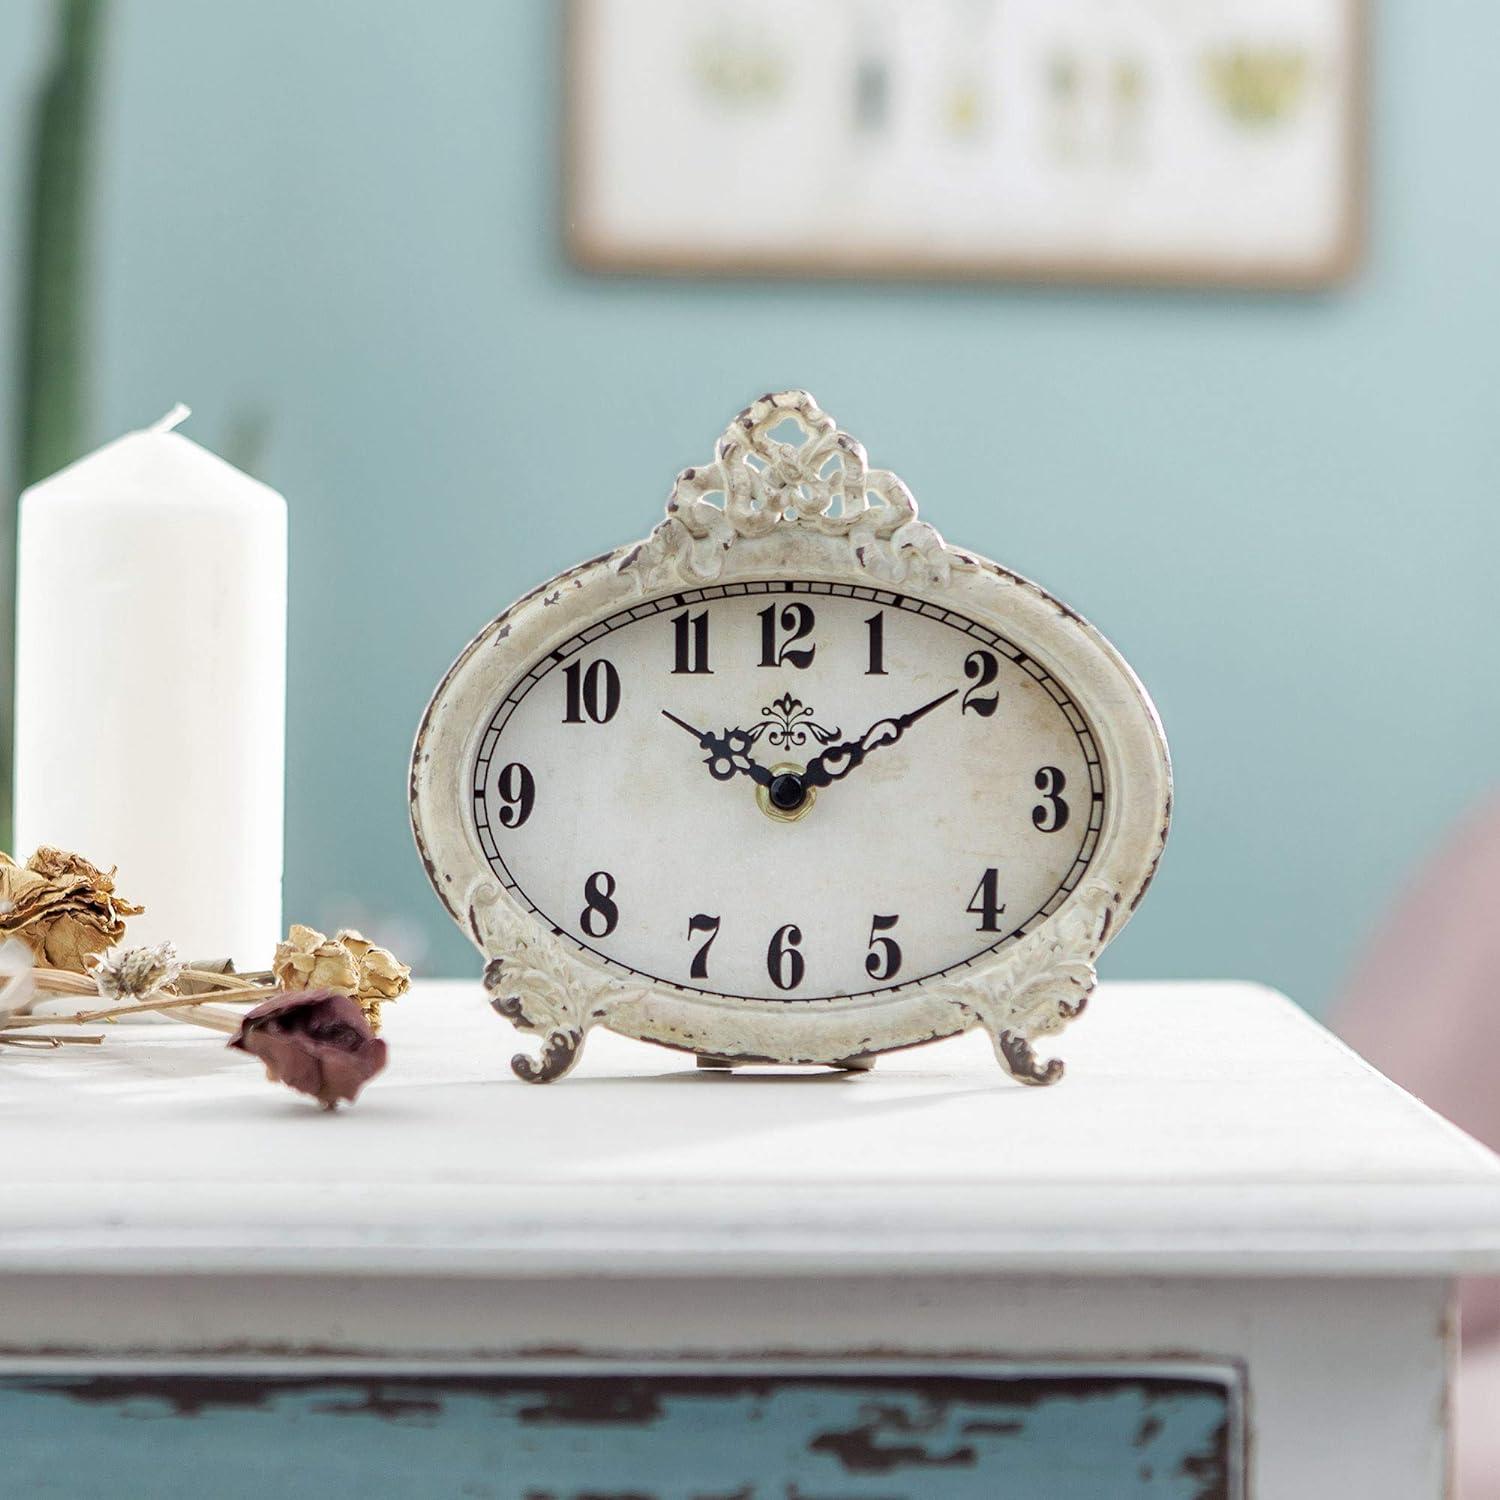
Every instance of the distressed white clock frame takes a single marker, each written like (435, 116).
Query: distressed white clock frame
(811, 510)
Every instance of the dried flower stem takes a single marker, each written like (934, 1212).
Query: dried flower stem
(260, 982)
(230, 987)
(191, 1004)
(48, 1042)
(66, 982)
(63, 982)
(238, 995)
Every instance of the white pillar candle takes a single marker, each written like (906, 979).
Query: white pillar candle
(151, 686)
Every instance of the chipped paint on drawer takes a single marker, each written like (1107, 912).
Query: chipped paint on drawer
(667, 1433)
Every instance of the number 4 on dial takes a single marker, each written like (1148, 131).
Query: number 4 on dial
(985, 903)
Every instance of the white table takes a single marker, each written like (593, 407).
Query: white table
(1219, 1204)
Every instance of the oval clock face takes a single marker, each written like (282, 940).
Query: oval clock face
(788, 790)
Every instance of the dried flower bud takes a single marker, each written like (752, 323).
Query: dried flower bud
(315, 1041)
(134, 973)
(347, 963)
(62, 907)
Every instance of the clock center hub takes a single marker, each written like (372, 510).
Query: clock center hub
(786, 797)
(787, 792)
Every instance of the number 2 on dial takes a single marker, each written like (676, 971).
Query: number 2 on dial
(981, 668)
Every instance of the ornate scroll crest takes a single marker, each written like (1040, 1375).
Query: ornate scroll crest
(1042, 986)
(538, 986)
(768, 484)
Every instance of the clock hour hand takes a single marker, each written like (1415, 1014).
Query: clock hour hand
(728, 753)
(838, 760)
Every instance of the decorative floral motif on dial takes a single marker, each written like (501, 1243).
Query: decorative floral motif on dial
(787, 721)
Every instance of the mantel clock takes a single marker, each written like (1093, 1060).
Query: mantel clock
(791, 780)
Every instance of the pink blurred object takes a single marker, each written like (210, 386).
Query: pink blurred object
(1476, 1421)
(1424, 1007)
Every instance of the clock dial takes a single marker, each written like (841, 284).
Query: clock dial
(788, 791)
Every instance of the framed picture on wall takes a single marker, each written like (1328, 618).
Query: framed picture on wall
(1174, 141)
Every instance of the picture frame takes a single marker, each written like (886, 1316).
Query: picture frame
(1147, 142)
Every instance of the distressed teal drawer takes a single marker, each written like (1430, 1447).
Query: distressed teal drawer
(669, 1433)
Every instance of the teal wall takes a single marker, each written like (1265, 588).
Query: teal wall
(339, 217)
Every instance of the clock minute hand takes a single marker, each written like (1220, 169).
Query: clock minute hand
(837, 761)
(728, 753)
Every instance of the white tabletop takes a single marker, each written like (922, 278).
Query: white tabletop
(1202, 1128)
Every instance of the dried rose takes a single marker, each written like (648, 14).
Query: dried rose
(62, 907)
(306, 960)
(348, 963)
(315, 1041)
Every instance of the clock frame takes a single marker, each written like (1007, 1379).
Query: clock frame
(810, 510)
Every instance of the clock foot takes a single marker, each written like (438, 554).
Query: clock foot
(560, 1051)
(1022, 1063)
(864, 1063)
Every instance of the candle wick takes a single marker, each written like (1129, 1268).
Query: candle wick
(179, 413)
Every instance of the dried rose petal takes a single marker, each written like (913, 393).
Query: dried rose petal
(315, 1041)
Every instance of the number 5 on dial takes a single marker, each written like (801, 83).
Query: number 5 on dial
(884, 958)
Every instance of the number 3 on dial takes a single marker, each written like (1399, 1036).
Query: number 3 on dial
(1050, 783)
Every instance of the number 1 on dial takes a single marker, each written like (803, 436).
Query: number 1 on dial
(875, 624)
